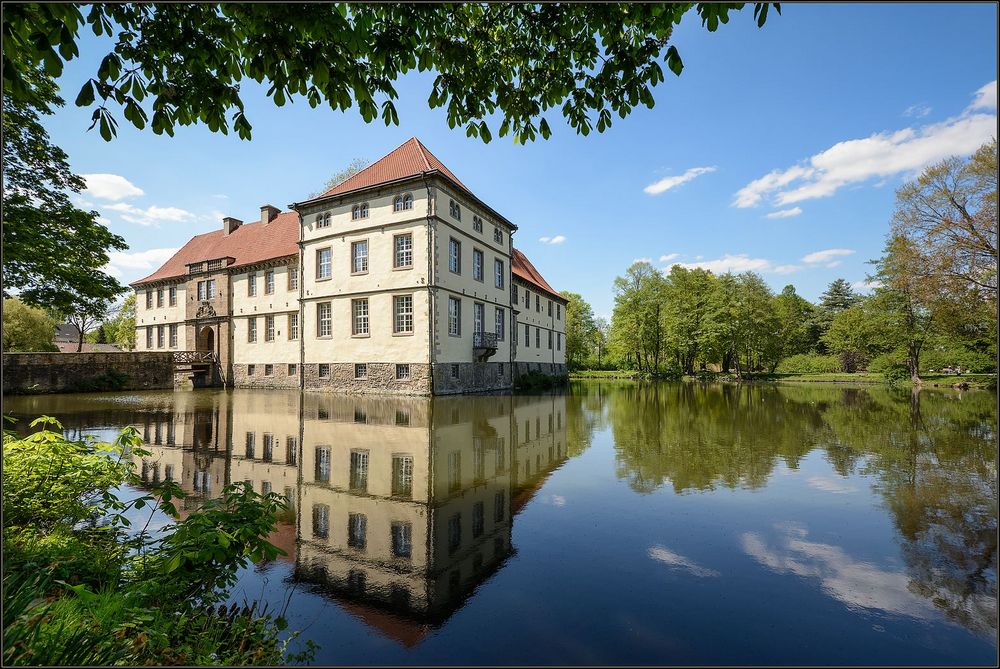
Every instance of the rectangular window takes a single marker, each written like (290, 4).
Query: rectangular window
(149, 298)
(550, 340)
(251, 369)
(324, 370)
(500, 322)
(321, 521)
(268, 328)
(455, 255)
(558, 312)
(202, 295)
(159, 297)
(538, 303)
(403, 256)
(402, 539)
(454, 316)
(172, 296)
(269, 282)
(323, 326)
(359, 470)
(323, 264)
(291, 450)
(498, 274)
(173, 336)
(252, 329)
(454, 532)
(210, 288)
(293, 278)
(402, 371)
(558, 341)
(454, 471)
(499, 507)
(293, 326)
(402, 475)
(160, 336)
(361, 370)
(359, 316)
(478, 316)
(402, 309)
(357, 529)
(478, 517)
(323, 464)
(550, 308)
(454, 371)
(251, 444)
(538, 337)
(359, 257)
(268, 370)
(527, 299)
(497, 235)
(268, 454)
(477, 264)
(293, 369)
(251, 284)
(527, 335)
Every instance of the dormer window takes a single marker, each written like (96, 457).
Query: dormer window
(497, 234)
(359, 211)
(477, 224)
(455, 209)
(323, 220)
(402, 202)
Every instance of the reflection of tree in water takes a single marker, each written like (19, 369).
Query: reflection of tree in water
(931, 455)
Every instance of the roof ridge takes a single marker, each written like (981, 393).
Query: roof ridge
(423, 152)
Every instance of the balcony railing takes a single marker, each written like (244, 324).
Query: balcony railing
(193, 357)
(484, 340)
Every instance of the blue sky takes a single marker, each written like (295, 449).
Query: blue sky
(777, 150)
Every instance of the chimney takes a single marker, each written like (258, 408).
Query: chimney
(268, 213)
(229, 225)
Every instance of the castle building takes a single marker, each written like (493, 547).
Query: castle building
(397, 280)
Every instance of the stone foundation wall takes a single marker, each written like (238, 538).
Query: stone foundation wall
(25, 373)
(473, 377)
(550, 368)
(380, 379)
(279, 377)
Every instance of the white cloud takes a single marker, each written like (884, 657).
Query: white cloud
(880, 155)
(785, 213)
(558, 239)
(150, 216)
(669, 256)
(826, 256)
(827, 484)
(741, 262)
(787, 269)
(667, 183)
(635, 260)
(136, 264)
(672, 559)
(917, 111)
(111, 187)
(986, 97)
(865, 286)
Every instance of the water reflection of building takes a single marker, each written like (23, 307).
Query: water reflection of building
(403, 506)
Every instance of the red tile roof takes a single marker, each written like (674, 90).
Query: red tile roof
(250, 243)
(410, 159)
(523, 269)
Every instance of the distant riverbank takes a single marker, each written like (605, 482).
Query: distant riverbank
(983, 381)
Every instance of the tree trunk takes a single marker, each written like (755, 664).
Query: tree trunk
(913, 362)
(79, 345)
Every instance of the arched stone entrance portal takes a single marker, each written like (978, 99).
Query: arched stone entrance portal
(206, 339)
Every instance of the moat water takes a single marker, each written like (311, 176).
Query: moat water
(617, 523)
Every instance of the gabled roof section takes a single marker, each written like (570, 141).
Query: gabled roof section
(248, 244)
(410, 159)
(524, 270)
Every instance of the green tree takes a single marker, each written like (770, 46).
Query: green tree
(719, 336)
(516, 63)
(636, 322)
(86, 317)
(687, 296)
(838, 296)
(795, 315)
(758, 335)
(579, 329)
(121, 325)
(53, 251)
(26, 328)
(602, 330)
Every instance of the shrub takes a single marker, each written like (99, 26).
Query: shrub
(809, 363)
(937, 358)
(891, 365)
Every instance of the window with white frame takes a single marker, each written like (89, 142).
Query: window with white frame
(402, 202)
(210, 288)
(149, 337)
(149, 298)
(477, 224)
(323, 325)
(293, 326)
(293, 369)
(172, 296)
(359, 469)
(359, 257)
(455, 255)
(159, 297)
(361, 370)
(478, 316)
(477, 264)
(269, 282)
(497, 234)
(402, 371)
(323, 263)
(324, 370)
(498, 273)
(359, 211)
(251, 284)
(402, 308)
(321, 521)
(268, 328)
(268, 371)
(500, 322)
(403, 256)
(293, 278)
(402, 539)
(359, 316)
(173, 335)
(455, 210)
(323, 464)
(160, 337)
(202, 292)
(454, 316)
(252, 329)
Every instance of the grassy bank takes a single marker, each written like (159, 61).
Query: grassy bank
(864, 378)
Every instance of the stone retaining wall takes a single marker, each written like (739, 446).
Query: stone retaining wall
(26, 373)
(550, 368)
(380, 379)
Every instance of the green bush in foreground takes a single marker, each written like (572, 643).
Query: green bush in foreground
(81, 587)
